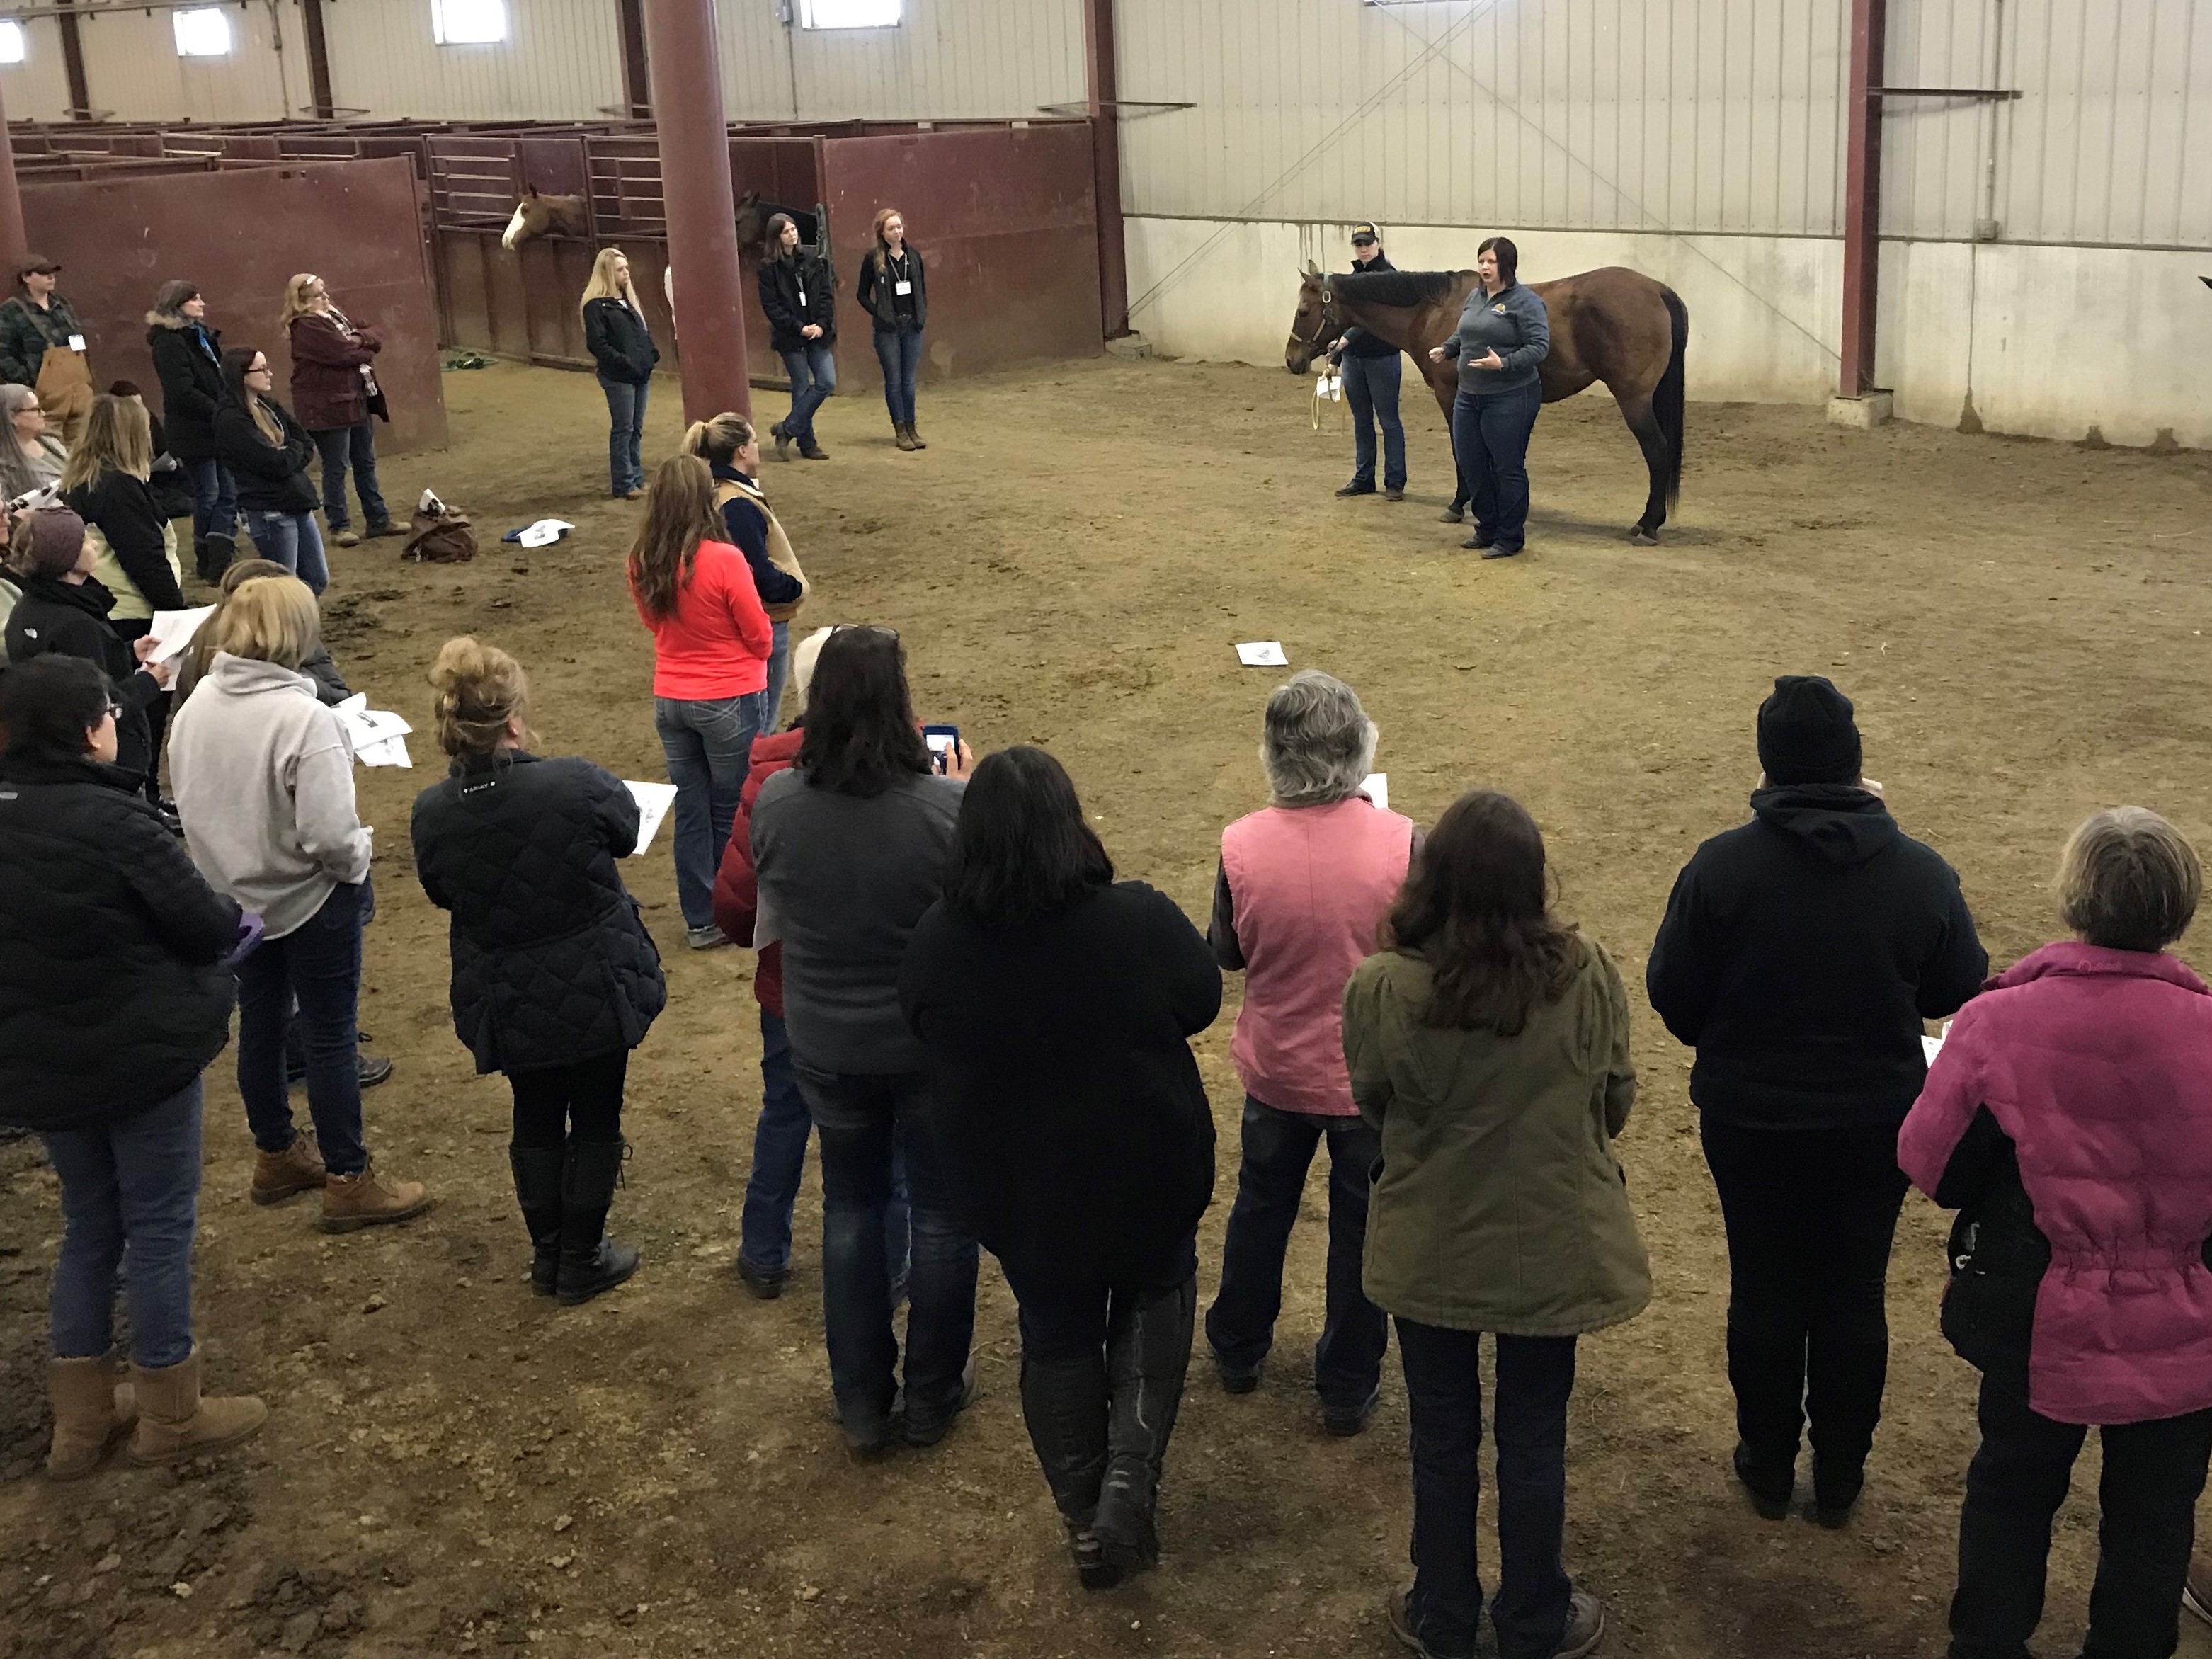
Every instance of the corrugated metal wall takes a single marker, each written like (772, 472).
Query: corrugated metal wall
(949, 59)
(37, 90)
(561, 61)
(1707, 116)
(131, 68)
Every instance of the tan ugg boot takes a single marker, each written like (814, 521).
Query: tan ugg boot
(91, 1413)
(174, 1423)
(279, 1176)
(913, 437)
(903, 435)
(368, 1200)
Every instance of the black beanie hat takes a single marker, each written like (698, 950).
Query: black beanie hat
(1806, 733)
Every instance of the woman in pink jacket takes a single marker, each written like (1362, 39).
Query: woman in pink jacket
(2069, 1120)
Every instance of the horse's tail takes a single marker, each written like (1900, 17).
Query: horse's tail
(1667, 399)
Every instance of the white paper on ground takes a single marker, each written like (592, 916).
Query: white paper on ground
(392, 751)
(653, 800)
(1262, 653)
(545, 532)
(172, 631)
(1377, 788)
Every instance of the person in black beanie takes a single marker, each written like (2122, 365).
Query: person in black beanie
(1799, 955)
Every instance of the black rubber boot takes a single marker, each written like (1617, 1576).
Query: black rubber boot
(1065, 1404)
(221, 549)
(1147, 1355)
(590, 1263)
(538, 1190)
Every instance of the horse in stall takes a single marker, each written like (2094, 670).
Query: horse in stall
(545, 216)
(1611, 325)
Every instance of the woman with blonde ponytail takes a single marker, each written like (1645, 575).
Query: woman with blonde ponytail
(555, 978)
(727, 444)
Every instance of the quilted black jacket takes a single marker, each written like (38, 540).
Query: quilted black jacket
(551, 963)
(113, 991)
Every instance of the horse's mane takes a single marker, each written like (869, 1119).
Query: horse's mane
(1396, 288)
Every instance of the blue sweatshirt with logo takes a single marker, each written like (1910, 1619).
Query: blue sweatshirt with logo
(1515, 324)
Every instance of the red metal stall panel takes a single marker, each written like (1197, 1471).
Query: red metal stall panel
(121, 238)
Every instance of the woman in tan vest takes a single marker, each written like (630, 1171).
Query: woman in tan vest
(727, 445)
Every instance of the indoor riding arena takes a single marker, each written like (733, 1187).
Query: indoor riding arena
(1944, 438)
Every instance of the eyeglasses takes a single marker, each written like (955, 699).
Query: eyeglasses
(114, 709)
(258, 368)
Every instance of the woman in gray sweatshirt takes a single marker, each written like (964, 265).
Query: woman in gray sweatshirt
(264, 776)
(1504, 335)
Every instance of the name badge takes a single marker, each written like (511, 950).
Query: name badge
(76, 343)
(802, 297)
(903, 290)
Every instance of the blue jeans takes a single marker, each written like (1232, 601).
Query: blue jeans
(778, 676)
(355, 447)
(625, 433)
(1490, 434)
(319, 962)
(214, 498)
(813, 370)
(779, 1159)
(1240, 1325)
(708, 746)
(899, 352)
(293, 541)
(130, 1200)
(1370, 387)
(863, 1119)
(1444, 1397)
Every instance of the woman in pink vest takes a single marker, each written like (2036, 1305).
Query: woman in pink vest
(1304, 884)
(2069, 1120)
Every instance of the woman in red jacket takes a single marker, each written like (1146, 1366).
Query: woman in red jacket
(334, 394)
(711, 641)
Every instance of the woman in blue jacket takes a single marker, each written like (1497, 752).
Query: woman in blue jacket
(1504, 335)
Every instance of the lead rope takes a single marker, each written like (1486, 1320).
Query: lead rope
(1329, 389)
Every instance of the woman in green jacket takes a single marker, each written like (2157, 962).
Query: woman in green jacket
(1488, 1044)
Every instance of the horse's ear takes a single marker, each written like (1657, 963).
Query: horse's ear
(1312, 270)
(530, 192)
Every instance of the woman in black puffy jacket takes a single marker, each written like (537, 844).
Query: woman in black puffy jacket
(555, 978)
(799, 297)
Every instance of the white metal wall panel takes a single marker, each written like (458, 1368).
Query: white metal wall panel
(1704, 115)
(948, 59)
(131, 68)
(37, 90)
(561, 61)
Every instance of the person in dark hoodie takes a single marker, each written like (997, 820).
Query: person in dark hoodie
(1799, 955)
(1372, 371)
(188, 360)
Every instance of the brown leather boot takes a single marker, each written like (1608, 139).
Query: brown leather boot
(279, 1176)
(368, 1200)
(174, 1423)
(905, 437)
(91, 1413)
(913, 437)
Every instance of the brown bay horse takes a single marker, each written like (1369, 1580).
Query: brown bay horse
(1611, 325)
(536, 214)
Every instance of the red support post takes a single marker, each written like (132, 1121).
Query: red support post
(1102, 71)
(15, 241)
(695, 186)
(1863, 196)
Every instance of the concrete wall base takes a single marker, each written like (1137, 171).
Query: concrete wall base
(1864, 413)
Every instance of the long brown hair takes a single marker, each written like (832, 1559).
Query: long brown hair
(679, 515)
(883, 216)
(1474, 908)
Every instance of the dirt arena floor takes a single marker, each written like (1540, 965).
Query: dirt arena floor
(452, 1467)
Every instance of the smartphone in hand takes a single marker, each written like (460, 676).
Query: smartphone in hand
(944, 742)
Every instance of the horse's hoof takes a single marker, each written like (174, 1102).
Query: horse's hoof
(1640, 537)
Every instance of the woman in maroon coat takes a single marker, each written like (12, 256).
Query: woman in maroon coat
(334, 394)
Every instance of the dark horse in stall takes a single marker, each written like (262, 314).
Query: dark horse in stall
(536, 215)
(1614, 325)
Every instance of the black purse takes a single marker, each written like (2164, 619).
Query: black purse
(1998, 1258)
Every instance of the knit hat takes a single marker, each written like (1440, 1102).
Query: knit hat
(49, 541)
(1806, 733)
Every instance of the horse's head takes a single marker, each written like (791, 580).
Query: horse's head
(752, 220)
(537, 216)
(1314, 326)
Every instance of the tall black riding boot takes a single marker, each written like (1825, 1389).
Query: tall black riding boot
(590, 1262)
(1148, 1353)
(1064, 1403)
(538, 1190)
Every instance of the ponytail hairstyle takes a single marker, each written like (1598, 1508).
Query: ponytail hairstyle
(718, 439)
(679, 515)
(481, 692)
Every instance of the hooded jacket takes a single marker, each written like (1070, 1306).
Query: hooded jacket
(551, 963)
(2082, 1077)
(1800, 954)
(188, 362)
(114, 988)
(263, 775)
(71, 618)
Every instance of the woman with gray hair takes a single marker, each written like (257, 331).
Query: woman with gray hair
(31, 454)
(2069, 1120)
(1297, 940)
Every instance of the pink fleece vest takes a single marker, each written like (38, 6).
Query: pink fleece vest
(2098, 1064)
(1309, 885)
